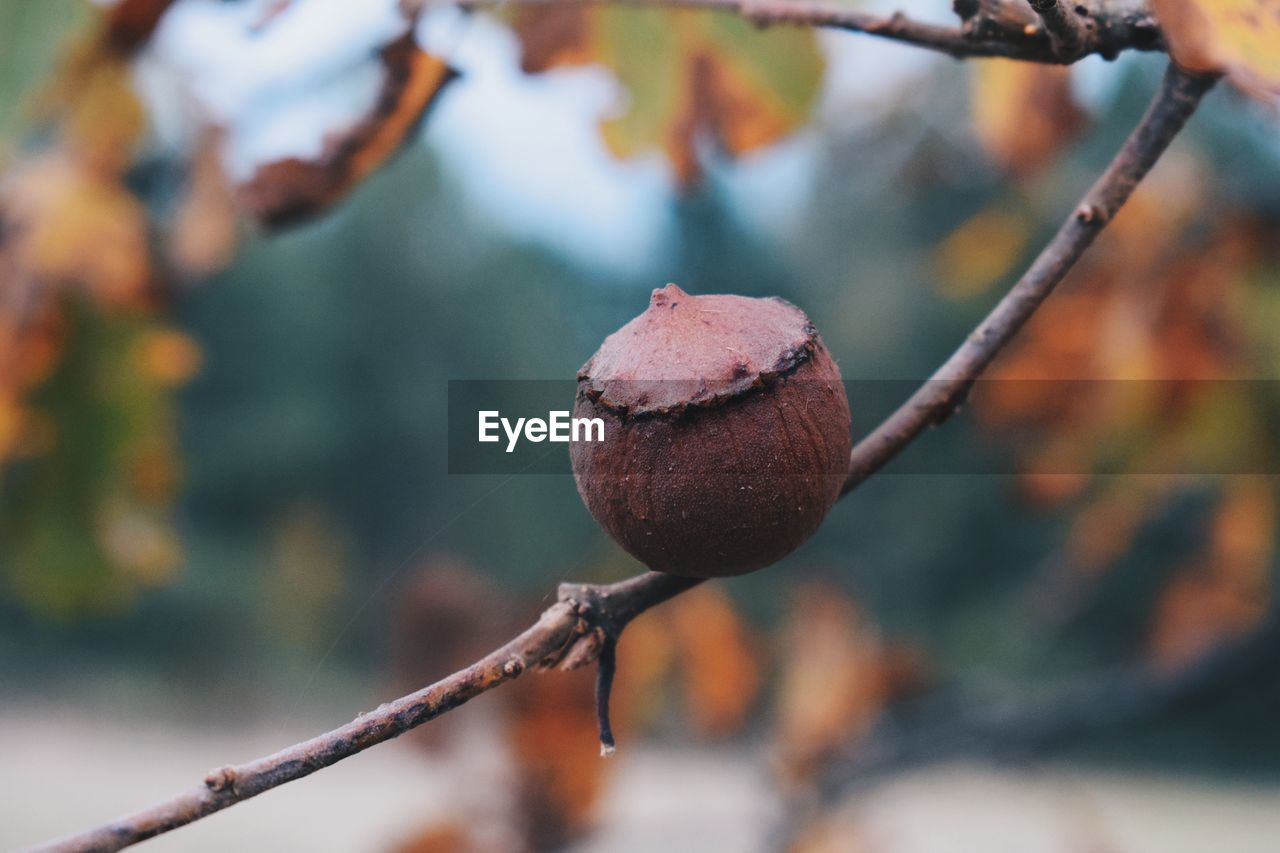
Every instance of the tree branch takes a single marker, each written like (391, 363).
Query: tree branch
(567, 634)
(589, 618)
(935, 400)
(980, 35)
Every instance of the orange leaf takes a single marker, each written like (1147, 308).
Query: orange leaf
(290, 190)
(719, 660)
(559, 771)
(1226, 592)
(836, 677)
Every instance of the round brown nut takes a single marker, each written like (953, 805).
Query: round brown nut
(726, 433)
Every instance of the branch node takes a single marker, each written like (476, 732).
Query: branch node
(221, 779)
(1065, 23)
(1091, 214)
(585, 650)
(513, 668)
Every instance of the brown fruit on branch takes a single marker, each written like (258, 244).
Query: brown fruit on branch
(726, 435)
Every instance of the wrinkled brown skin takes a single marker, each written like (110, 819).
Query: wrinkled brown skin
(721, 483)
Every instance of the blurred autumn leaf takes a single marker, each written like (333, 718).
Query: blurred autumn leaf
(837, 674)
(1141, 364)
(559, 773)
(688, 75)
(719, 660)
(87, 372)
(1163, 302)
(981, 251)
(1225, 591)
(699, 650)
(73, 225)
(85, 513)
(287, 191)
(77, 240)
(205, 231)
(129, 23)
(1238, 37)
(446, 615)
(1024, 113)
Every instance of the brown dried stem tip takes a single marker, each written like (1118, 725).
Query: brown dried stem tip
(726, 433)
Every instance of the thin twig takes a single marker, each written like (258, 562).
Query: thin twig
(565, 625)
(586, 617)
(976, 37)
(1066, 31)
(935, 400)
(606, 667)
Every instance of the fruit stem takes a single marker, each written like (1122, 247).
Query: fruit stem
(606, 666)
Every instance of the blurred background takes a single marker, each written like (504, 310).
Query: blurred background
(238, 268)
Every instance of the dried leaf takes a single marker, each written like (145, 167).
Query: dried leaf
(559, 771)
(837, 674)
(719, 661)
(205, 230)
(1024, 113)
(1156, 301)
(1238, 37)
(290, 190)
(130, 23)
(689, 76)
(1226, 592)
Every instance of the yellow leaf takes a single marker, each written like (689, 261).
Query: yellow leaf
(1024, 113)
(689, 76)
(980, 252)
(1238, 37)
(77, 226)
